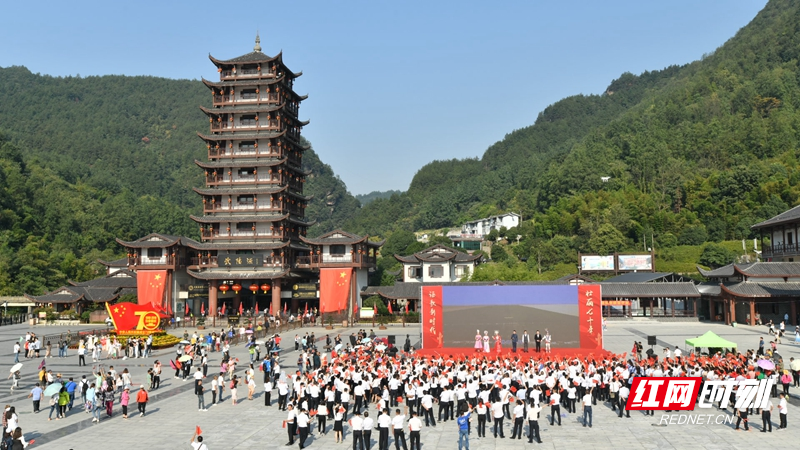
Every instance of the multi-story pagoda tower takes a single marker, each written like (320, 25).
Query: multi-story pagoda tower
(253, 202)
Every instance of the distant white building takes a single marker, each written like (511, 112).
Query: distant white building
(437, 264)
(481, 227)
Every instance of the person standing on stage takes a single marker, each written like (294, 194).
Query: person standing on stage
(547, 339)
(478, 342)
(526, 340)
(498, 342)
(485, 342)
(538, 339)
(514, 340)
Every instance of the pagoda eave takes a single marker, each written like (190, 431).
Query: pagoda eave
(223, 274)
(237, 164)
(238, 191)
(234, 218)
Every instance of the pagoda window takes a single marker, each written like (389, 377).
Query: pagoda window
(250, 69)
(337, 250)
(245, 226)
(249, 120)
(155, 253)
(245, 199)
(247, 172)
(249, 94)
(247, 146)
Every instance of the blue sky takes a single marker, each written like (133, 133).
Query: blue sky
(392, 85)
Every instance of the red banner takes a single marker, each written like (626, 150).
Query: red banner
(431, 317)
(150, 287)
(130, 317)
(589, 316)
(334, 289)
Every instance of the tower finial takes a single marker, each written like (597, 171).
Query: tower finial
(257, 48)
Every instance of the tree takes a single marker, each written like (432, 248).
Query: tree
(543, 255)
(606, 240)
(715, 255)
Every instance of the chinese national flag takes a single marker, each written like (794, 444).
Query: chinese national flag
(130, 316)
(223, 309)
(241, 308)
(270, 308)
(306, 310)
(202, 308)
(256, 308)
(334, 289)
(150, 286)
(187, 308)
(375, 309)
(390, 307)
(406, 308)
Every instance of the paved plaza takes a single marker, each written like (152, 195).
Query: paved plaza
(172, 411)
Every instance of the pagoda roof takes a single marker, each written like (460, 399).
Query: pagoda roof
(252, 57)
(762, 289)
(239, 190)
(244, 82)
(241, 163)
(755, 270)
(255, 108)
(226, 274)
(302, 222)
(792, 215)
(122, 262)
(438, 253)
(235, 218)
(340, 237)
(241, 136)
(240, 246)
(152, 240)
(120, 279)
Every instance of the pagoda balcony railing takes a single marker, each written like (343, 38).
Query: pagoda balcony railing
(213, 261)
(247, 73)
(271, 98)
(165, 260)
(354, 258)
(211, 181)
(780, 249)
(268, 125)
(234, 234)
(230, 153)
(214, 208)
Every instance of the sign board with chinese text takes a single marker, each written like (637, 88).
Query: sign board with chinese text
(198, 290)
(240, 260)
(635, 262)
(131, 317)
(597, 263)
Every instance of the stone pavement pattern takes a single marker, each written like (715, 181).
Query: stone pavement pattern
(172, 412)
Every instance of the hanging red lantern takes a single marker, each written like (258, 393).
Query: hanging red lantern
(236, 288)
(224, 288)
(265, 287)
(253, 288)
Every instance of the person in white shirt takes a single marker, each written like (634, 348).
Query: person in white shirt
(302, 427)
(414, 426)
(357, 427)
(519, 413)
(322, 417)
(384, 421)
(677, 352)
(586, 402)
(427, 408)
(533, 423)
(367, 434)
(399, 432)
(783, 409)
(555, 408)
(499, 415)
(291, 424)
(623, 399)
(481, 410)
(766, 417)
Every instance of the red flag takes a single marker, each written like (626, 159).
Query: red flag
(334, 289)
(390, 307)
(285, 307)
(306, 311)
(256, 308)
(197, 430)
(150, 286)
(169, 308)
(203, 308)
(375, 309)
(406, 307)
(187, 308)
(270, 308)
(241, 308)
(223, 309)
(355, 308)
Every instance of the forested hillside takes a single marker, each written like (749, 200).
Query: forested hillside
(86, 160)
(694, 153)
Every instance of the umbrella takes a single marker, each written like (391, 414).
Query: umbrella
(338, 347)
(204, 344)
(366, 340)
(249, 331)
(766, 364)
(41, 364)
(16, 367)
(52, 390)
(795, 364)
(380, 347)
(184, 342)
(249, 344)
(185, 358)
(172, 364)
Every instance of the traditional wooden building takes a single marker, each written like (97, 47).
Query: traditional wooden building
(779, 236)
(438, 264)
(77, 296)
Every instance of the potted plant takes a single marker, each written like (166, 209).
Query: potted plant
(382, 320)
(330, 322)
(201, 323)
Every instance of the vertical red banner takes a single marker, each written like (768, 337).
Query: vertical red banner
(334, 289)
(430, 304)
(150, 287)
(589, 316)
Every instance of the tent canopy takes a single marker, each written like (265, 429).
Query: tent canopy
(710, 340)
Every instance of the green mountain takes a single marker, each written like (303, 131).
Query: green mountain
(367, 198)
(695, 153)
(85, 160)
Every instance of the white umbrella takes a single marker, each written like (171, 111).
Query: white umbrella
(380, 347)
(185, 342)
(338, 347)
(16, 367)
(366, 340)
